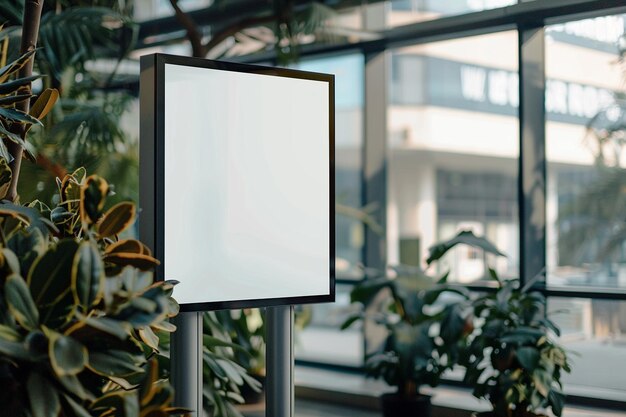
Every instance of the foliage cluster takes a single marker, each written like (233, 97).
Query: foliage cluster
(422, 342)
(79, 312)
(503, 339)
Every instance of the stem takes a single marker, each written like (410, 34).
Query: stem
(193, 34)
(52, 167)
(30, 30)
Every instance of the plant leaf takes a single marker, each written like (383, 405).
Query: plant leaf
(14, 85)
(43, 397)
(18, 116)
(528, 357)
(20, 302)
(78, 409)
(92, 197)
(16, 65)
(117, 219)
(466, 237)
(15, 350)
(12, 99)
(143, 262)
(50, 275)
(149, 338)
(67, 355)
(128, 246)
(87, 275)
(114, 363)
(44, 103)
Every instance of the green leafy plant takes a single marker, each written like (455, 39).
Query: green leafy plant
(417, 349)
(223, 374)
(80, 316)
(246, 328)
(512, 358)
(80, 311)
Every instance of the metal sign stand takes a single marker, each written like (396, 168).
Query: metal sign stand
(186, 361)
(279, 358)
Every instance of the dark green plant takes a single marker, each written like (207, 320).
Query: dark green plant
(222, 372)
(512, 358)
(247, 329)
(79, 312)
(424, 331)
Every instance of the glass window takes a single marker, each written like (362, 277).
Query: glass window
(593, 332)
(348, 70)
(404, 12)
(585, 131)
(321, 340)
(453, 139)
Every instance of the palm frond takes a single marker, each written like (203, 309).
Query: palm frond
(90, 126)
(76, 35)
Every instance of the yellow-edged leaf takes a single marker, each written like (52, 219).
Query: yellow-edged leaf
(44, 103)
(5, 178)
(20, 302)
(117, 219)
(143, 262)
(128, 246)
(92, 198)
(87, 275)
(67, 355)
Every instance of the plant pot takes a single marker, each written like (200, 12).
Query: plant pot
(395, 406)
(493, 414)
(249, 395)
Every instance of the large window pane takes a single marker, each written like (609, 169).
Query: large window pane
(453, 138)
(593, 330)
(585, 133)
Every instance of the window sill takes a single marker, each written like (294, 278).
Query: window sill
(352, 390)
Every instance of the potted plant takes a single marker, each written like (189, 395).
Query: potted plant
(512, 358)
(416, 350)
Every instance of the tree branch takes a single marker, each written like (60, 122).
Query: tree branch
(52, 167)
(30, 31)
(193, 34)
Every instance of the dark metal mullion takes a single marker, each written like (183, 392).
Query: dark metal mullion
(532, 156)
(374, 151)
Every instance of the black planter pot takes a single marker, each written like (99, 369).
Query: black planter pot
(395, 406)
(492, 414)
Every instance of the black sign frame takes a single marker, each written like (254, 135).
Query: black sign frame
(152, 167)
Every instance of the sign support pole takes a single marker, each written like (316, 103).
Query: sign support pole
(186, 361)
(279, 390)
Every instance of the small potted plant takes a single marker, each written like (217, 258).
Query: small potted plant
(512, 358)
(416, 350)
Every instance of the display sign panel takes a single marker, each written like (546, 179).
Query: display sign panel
(241, 158)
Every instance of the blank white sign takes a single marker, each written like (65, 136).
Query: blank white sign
(246, 185)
